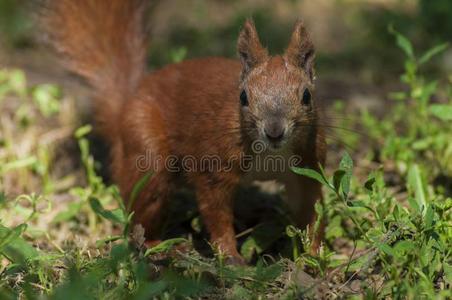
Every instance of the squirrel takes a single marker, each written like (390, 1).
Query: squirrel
(206, 107)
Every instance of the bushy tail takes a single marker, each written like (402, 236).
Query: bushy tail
(103, 41)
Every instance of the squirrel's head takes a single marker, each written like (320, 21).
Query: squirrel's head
(276, 91)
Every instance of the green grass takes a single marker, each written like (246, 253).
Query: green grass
(65, 233)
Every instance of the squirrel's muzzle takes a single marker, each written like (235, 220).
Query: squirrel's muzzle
(275, 131)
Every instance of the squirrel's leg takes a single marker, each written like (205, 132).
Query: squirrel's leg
(302, 195)
(143, 150)
(215, 201)
(150, 205)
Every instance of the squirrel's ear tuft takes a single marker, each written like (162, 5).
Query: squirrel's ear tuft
(300, 52)
(249, 47)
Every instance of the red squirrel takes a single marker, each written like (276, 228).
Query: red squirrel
(207, 107)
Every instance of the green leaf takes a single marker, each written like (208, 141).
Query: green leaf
(386, 249)
(413, 204)
(12, 235)
(346, 164)
(46, 97)
(426, 92)
(72, 211)
(441, 111)
(312, 174)
(369, 184)
(399, 96)
(429, 215)
(107, 240)
(82, 131)
(432, 52)
(137, 188)
(422, 144)
(19, 164)
(404, 246)
(164, 246)
(448, 272)
(337, 179)
(334, 229)
(115, 216)
(16, 249)
(178, 54)
(358, 263)
(416, 186)
(402, 42)
(356, 203)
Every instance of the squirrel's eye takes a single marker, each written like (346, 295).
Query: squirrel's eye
(243, 98)
(306, 97)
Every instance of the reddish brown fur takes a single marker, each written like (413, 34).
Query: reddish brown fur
(190, 109)
(104, 42)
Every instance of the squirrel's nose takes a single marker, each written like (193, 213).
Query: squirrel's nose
(274, 132)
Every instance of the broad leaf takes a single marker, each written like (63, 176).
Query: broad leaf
(441, 111)
(16, 249)
(312, 174)
(116, 215)
(12, 235)
(337, 179)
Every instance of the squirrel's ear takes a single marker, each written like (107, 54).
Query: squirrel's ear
(300, 52)
(249, 47)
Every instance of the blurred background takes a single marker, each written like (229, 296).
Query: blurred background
(356, 56)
